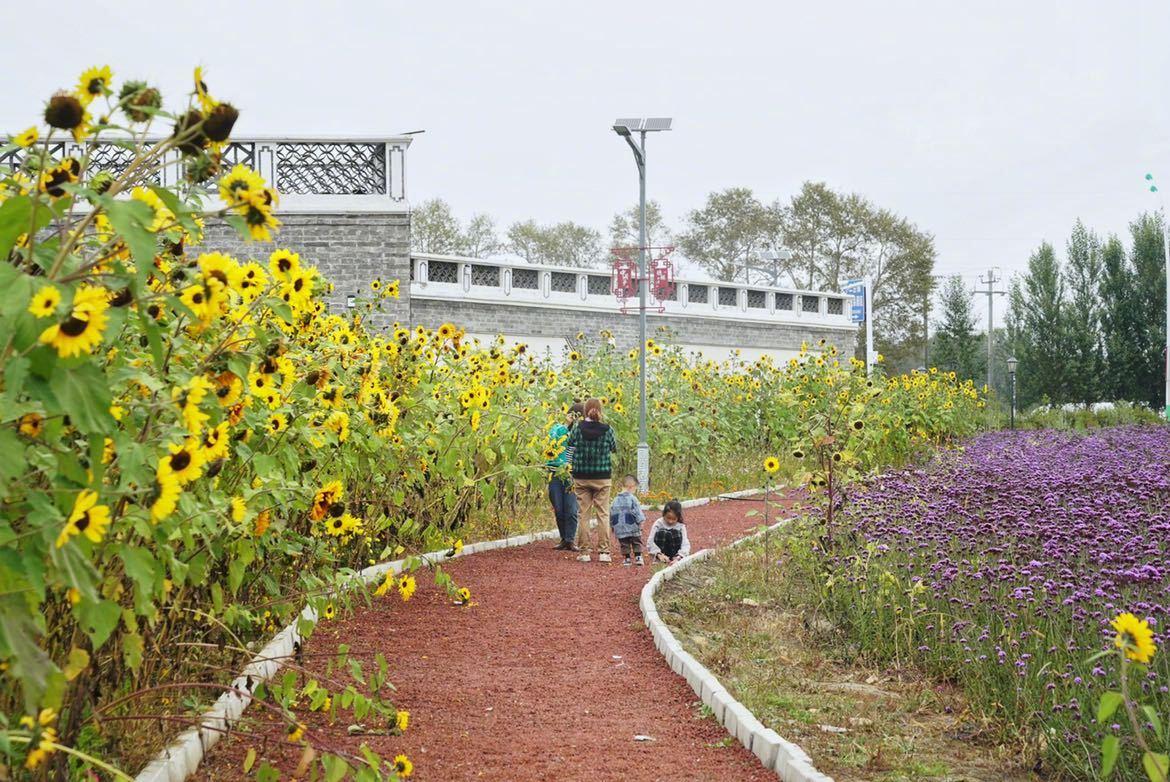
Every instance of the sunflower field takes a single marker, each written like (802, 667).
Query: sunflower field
(192, 448)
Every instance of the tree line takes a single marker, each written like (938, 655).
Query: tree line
(815, 240)
(1086, 328)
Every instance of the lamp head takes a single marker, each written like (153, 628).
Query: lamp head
(1012, 363)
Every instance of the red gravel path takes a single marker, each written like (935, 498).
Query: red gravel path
(548, 676)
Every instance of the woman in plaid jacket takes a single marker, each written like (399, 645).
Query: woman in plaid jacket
(592, 444)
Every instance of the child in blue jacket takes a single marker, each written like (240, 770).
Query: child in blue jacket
(626, 517)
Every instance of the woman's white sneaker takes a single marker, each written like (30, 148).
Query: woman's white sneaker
(604, 558)
(583, 558)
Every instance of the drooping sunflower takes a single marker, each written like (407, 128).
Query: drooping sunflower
(184, 462)
(88, 518)
(81, 331)
(66, 112)
(1134, 638)
(26, 138)
(45, 302)
(771, 464)
(94, 82)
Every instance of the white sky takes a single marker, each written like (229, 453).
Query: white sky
(993, 125)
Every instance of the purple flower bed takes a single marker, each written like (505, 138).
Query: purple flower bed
(1001, 565)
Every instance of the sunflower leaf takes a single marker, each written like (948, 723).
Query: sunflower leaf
(1108, 705)
(98, 620)
(1110, 747)
(84, 395)
(16, 217)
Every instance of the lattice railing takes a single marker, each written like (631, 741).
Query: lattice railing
(369, 168)
(331, 168)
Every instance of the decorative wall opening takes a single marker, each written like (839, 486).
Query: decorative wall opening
(810, 304)
(526, 279)
(757, 300)
(836, 306)
(599, 286)
(698, 294)
(784, 301)
(443, 271)
(485, 276)
(563, 282)
(729, 297)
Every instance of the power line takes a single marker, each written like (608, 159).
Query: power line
(991, 293)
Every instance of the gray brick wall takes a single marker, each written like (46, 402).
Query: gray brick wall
(350, 250)
(553, 323)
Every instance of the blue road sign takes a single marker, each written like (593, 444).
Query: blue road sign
(856, 288)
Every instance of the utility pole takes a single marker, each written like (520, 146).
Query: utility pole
(991, 293)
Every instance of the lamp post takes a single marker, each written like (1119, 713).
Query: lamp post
(1012, 363)
(1166, 251)
(776, 257)
(626, 128)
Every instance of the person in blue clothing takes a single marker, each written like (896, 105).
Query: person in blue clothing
(626, 517)
(560, 485)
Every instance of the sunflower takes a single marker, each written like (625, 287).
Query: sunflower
(252, 280)
(67, 112)
(771, 464)
(82, 330)
(87, 518)
(1134, 638)
(402, 720)
(238, 181)
(206, 102)
(221, 272)
(94, 82)
(31, 424)
(392, 290)
(406, 586)
(402, 766)
(284, 264)
(858, 425)
(256, 210)
(277, 423)
(296, 732)
(184, 462)
(228, 388)
(326, 496)
(464, 595)
(164, 496)
(329, 611)
(52, 180)
(27, 138)
(239, 509)
(446, 331)
(216, 442)
(198, 299)
(263, 519)
(188, 398)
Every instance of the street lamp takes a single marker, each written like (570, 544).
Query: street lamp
(1012, 363)
(776, 257)
(626, 128)
(1166, 250)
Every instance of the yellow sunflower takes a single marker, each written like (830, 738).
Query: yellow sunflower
(402, 766)
(771, 464)
(45, 302)
(164, 496)
(26, 138)
(239, 509)
(1134, 637)
(256, 210)
(326, 496)
(402, 720)
(284, 264)
(277, 423)
(31, 424)
(406, 586)
(184, 462)
(94, 82)
(216, 442)
(238, 181)
(88, 518)
(81, 331)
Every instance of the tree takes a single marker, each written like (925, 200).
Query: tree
(1082, 279)
(624, 228)
(434, 229)
(479, 239)
(729, 233)
(1121, 322)
(564, 244)
(1042, 313)
(1149, 266)
(956, 345)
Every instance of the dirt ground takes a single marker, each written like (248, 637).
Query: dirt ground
(548, 676)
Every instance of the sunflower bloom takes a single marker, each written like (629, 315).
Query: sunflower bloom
(402, 720)
(27, 138)
(771, 464)
(81, 331)
(406, 586)
(94, 82)
(1134, 637)
(402, 766)
(88, 518)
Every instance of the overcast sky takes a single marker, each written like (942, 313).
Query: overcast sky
(992, 125)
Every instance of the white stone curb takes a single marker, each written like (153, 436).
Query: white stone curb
(180, 759)
(788, 760)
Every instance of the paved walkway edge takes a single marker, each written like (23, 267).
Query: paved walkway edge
(182, 757)
(788, 760)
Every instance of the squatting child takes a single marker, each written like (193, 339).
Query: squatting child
(626, 517)
(668, 541)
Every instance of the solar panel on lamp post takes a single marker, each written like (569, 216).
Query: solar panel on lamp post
(775, 256)
(626, 128)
